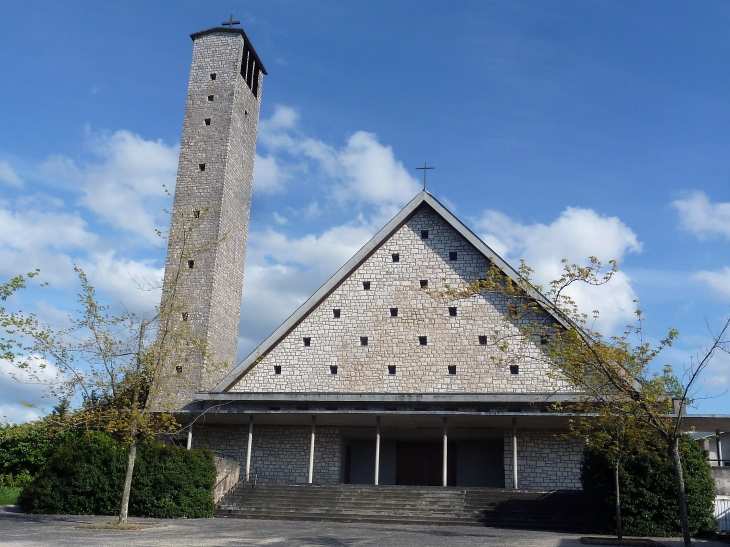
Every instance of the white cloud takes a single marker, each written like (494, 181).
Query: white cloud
(575, 235)
(718, 281)
(125, 189)
(9, 176)
(268, 176)
(360, 171)
(16, 387)
(699, 216)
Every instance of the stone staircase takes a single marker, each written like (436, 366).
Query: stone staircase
(434, 505)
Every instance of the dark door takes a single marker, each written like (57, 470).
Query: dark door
(421, 464)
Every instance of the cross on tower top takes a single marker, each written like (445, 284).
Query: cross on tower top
(230, 22)
(424, 169)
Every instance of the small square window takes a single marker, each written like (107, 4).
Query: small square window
(201, 166)
(452, 369)
(424, 283)
(394, 312)
(178, 368)
(196, 214)
(207, 121)
(544, 340)
(423, 340)
(366, 285)
(396, 257)
(363, 340)
(333, 369)
(452, 312)
(424, 234)
(514, 369)
(212, 76)
(277, 369)
(185, 316)
(191, 264)
(210, 98)
(452, 255)
(482, 340)
(336, 314)
(307, 341)
(391, 369)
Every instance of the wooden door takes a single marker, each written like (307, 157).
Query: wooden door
(420, 464)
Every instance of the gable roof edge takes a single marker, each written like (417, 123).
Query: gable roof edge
(365, 251)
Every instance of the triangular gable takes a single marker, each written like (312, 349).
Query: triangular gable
(421, 200)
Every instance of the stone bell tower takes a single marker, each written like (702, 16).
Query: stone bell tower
(210, 213)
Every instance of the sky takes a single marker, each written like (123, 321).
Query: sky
(557, 130)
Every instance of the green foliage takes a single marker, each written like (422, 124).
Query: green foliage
(649, 505)
(25, 448)
(85, 476)
(9, 495)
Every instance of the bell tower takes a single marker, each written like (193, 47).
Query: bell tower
(210, 213)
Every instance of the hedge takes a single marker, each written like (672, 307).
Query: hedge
(85, 476)
(649, 504)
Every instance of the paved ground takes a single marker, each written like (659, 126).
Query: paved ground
(21, 530)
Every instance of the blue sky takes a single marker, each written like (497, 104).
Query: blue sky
(561, 129)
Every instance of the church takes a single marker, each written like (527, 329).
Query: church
(378, 378)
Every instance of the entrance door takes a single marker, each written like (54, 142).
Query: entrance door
(421, 464)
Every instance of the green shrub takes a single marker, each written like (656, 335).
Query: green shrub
(649, 504)
(85, 476)
(9, 495)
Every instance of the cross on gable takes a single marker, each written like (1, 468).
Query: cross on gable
(230, 22)
(424, 169)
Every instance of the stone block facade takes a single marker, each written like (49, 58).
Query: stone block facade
(544, 462)
(279, 453)
(380, 316)
(210, 214)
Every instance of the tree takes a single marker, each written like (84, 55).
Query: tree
(616, 377)
(117, 367)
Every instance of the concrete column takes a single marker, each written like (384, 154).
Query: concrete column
(248, 446)
(311, 452)
(719, 448)
(445, 470)
(190, 435)
(514, 453)
(377, 449)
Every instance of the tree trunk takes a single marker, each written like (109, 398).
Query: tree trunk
(131, 457)
(619, 532)
(681, 496)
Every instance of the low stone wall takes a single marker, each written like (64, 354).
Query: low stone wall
(228, 471)
(722, 480)
(279, 453)
(543, 462)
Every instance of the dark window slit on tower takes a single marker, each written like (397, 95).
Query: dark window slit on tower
(207, 121)
(424, 283)
(452, 312)
(191, 264)
(452, 255)
(394, 312)
(482, 340)
(178, 368)
(333, 369)
(201, 166)
(307, 341)
(277, 370)
(424, 234)
(185, 316)
(391, 369)
(366, 285)
(210, 98)
(452, 369)
(212, 76)
(336, 314)
(396, 257)
(423, 340)
(363, 340)
(514, 369)
(196, 213)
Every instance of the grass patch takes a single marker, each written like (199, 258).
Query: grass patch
(8, 495)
